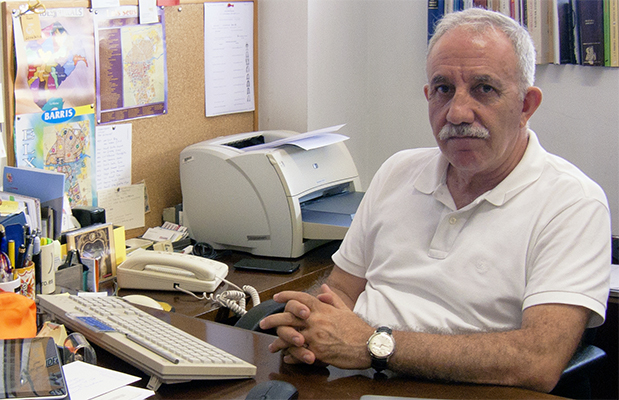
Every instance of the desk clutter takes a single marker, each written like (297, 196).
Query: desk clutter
(165, 353)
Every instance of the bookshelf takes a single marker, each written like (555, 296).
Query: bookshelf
(580, 32)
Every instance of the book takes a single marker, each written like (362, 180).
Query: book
(591, 31)
(575, 32)
(480, 3)
(92, 274)
(436, 10)
(554, 38)
(96, 241)
(514, 10)
(505, 7)
(47, 186)
(566, 32)
(449, 6)
(606, 13)
(614, 32)
(537, 25)
(47, 222)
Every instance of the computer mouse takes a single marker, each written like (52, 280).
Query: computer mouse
(273, 390)
(142, 300)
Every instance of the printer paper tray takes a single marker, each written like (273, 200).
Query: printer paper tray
(329, 218)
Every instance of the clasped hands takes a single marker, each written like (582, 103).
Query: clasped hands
(320, 328)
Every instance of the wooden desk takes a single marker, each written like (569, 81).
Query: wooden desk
(314, 265)
(312, 382)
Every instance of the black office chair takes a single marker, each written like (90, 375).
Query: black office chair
(251, 320)
(575, 379)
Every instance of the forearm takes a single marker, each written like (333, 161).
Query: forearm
(486, 358)
(532, 357)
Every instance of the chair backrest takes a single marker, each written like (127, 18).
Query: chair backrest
(574, 382)
(251, 320)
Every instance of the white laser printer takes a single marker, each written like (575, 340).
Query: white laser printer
(261, 193)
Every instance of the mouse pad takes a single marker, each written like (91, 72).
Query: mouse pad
(31, 369)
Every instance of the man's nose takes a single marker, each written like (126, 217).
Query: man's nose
(461, 109)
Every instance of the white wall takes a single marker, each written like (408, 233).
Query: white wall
(362, 62)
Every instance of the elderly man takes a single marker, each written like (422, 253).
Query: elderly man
(482, 260)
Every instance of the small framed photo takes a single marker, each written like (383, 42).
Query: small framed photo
(96, 242)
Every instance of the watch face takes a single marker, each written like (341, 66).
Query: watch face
(381, 345)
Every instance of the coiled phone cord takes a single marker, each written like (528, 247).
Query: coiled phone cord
(235, 300)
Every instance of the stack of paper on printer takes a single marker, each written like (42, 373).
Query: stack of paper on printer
(87, 381)
(306, 141)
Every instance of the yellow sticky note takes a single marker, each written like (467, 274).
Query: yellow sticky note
(31, 26)
(8, 207)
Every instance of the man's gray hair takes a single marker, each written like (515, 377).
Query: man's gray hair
(479, 20)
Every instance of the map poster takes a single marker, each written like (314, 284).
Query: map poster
(131, 75)
(56, 71)
(61, 141)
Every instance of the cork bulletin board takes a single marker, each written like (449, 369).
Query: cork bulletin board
(156, 141)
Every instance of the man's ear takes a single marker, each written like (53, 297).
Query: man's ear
(425, 90)
(532, 100)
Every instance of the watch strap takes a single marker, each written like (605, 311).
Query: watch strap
(384, 329)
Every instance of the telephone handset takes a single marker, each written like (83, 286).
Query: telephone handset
(160, 270)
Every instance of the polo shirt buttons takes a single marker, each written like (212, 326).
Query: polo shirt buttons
(453, 220)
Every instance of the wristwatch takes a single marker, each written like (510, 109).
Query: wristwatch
(381, 346)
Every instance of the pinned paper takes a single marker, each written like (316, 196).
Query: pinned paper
(148, 11)
(31, 26)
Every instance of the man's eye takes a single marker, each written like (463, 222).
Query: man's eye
(442, 89)
(485, 89)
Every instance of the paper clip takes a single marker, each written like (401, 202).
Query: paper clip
(37, 8)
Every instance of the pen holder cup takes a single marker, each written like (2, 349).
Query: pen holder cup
(26, 276)
(11, 286)
(47, 277)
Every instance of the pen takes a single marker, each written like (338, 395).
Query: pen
(28, 255)
(36, 245)
(21, 253)
(6, 271)
(11, 252)
(26, 233)
(3, 242)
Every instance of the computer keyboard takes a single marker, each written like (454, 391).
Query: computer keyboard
(166, 353)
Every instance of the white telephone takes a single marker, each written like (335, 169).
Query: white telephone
(160, 270)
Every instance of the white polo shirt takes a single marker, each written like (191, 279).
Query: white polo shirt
(541, 236)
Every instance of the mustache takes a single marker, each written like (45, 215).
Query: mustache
(459, 131)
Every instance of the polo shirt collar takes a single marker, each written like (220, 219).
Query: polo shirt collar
(434, 174)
